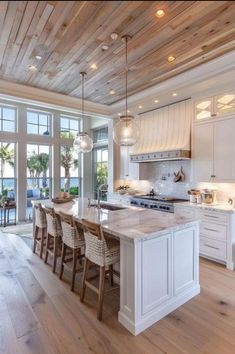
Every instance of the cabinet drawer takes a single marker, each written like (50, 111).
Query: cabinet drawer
(212, 248)
(212, 216)
(213, 231)
(184, 211)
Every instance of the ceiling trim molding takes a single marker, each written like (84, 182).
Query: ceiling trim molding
(215, 67)
(35, 96)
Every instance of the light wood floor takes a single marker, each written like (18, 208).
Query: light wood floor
(39, 314)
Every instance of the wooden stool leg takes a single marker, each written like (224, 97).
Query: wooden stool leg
(47, 245)
(111, 274)
(74, 269)
(35, 238)
(42, 242)
(62, 259)
(101, 293)
(55, 252)
(85, 270)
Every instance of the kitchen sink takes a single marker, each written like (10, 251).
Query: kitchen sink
(110, 206)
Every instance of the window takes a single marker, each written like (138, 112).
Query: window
(38, 123)
(69, 127)
(69, 171)
(8, 119)
(100, 135)
(7, 174)
(38, 174)
(100, 169)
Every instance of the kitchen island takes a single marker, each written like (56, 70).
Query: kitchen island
(159, 261)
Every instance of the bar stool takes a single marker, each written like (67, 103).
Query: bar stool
(54, 233)
(102, 251)
(40, 226)
(73, 241)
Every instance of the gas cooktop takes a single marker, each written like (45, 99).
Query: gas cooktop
(161, 198)
(156, 202)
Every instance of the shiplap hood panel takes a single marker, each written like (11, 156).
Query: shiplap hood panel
(164, 129)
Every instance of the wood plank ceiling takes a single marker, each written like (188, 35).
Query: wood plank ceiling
(69, 36)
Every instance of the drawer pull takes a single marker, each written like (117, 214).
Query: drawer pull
(207, 228)
(215, 248)
(211, 216)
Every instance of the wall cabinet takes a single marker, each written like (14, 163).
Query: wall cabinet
(213, 151)
(128, 170)
(216, 232)
(216, 106)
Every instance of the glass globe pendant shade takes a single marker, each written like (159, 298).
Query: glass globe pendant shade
(126, 132)
(82, 143)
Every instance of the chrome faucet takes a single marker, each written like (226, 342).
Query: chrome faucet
(102, 188)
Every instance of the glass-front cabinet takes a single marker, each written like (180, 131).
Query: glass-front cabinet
(225, 104)
(203, 108)
(217, 106)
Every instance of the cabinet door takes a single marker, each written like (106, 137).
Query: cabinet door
(225, 104)
(204, 109)
(202, 153)
(128, 169)
(224, 150)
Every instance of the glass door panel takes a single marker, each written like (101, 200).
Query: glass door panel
(225, 104)
(203, 109)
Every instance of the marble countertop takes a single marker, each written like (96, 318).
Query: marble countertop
(131, 223)
(225, 207)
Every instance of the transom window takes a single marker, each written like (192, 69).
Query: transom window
(38, 123)
(69, 127)
(100, 135)
(7, 119)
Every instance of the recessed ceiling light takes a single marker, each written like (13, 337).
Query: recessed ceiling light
(93, 66)
(105, 47)
(174, 94)
(114, 36)
(140, 107)
(112, 92)
(171, 58)
(128, 111)
(38, 57)
(119, 114)
(160, 13)
(156, 101)
(33, 68)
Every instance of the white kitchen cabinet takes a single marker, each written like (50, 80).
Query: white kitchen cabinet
(202, 152)
(215, 107)
(224, 150)
(128, 170)
(213, 151)
(216, 232)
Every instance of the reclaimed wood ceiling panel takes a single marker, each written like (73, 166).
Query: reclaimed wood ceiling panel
(69, 36)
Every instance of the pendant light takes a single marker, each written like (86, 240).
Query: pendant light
(126, 131)
(82, 142)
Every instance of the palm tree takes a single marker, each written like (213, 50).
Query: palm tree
(7, 157)
(38, 164)
(67, 162)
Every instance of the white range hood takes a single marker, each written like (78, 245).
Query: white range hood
(164, 134)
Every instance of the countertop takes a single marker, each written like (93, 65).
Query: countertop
(213, 207)
(131, 223)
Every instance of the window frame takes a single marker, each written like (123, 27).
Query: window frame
(2, 106)
(69, 118)
(38, 125)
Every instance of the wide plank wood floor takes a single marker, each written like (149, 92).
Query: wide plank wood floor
(40, 315)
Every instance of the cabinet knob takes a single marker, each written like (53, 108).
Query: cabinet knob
(213, 176)
(213, 115)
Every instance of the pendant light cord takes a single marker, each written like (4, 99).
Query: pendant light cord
(83, 75)
(126, 39)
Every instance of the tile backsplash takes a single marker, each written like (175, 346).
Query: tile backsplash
(160, 176)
